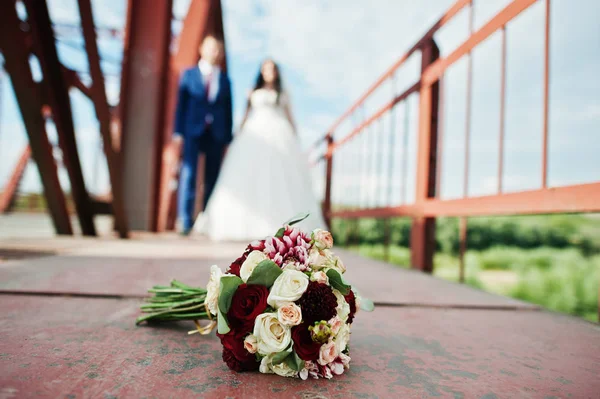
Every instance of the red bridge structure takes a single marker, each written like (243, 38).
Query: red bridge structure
(68, 303)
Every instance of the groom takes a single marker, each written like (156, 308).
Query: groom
(203, 123)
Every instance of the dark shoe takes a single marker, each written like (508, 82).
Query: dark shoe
(185, 232)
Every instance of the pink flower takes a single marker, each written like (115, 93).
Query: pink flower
(291, 250)
(336, 323)
(327, 354)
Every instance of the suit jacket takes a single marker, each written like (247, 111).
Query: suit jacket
(193, 108)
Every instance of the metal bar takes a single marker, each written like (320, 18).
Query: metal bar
(462, 249)
(405, 134)
(582, 198)
(195, 28)
(10, 189)
(73, 80)
(60, 104)
(502, 112)
(455, 9)
(386, 107)
(380, 180)
(423, 228)
(328, 176)
(440, 144)
(469, 89)
(512, 10)
(546, 95)
(392, 144)
(145, 68)
(13, 43)
(97, 93)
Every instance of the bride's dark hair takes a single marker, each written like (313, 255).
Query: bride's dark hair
(260, 80)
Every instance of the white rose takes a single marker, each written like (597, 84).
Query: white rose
(289, 314)
(323, 239)
(212, 289)
(265, 365)
(288, 287)
(320, 277)
(338, 265)
(282, 369)
(253, 259)
(343, 308)
(319, 259)
(328, 353)
(271, 335)
(251, 343)
(342, 338)
(335, 323)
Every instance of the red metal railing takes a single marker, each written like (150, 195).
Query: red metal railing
(341, 146)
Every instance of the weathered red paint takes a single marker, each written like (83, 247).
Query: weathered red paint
(144, 75)
(103, 275)
(51, 348)
(98, 97)
(57, 97)
(15, 47)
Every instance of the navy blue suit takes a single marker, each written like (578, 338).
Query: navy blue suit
(206, 127)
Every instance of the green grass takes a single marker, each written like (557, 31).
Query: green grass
(563, 280)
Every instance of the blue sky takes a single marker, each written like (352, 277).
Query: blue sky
(331, 51)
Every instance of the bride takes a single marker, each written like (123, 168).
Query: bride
(264, 180)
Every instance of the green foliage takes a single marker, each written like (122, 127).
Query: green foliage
(265, 273)
(555, 231)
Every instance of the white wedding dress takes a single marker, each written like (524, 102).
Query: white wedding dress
(264, 180)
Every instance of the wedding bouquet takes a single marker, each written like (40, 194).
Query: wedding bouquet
(282, 307)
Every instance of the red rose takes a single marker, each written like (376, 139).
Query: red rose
(235, 355)
(247, 302)
(235, 267)
(351, 299)
(305, 347)
(235, 364)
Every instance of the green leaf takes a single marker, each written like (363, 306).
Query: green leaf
(337, 281)
(265, 273)
(280, 232)
(366, 304)
(280, 357)
(297, 219)
(229, 284)
(222, 326)
(294, 362)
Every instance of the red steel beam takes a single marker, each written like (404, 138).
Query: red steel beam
(59, 101)
(581, 198)
(144, 78)
(378, 114)
(546, 95)
(97, 93)
(13, 43)
(10, 189)
(422, 240)
(512, 10)
(203, 16)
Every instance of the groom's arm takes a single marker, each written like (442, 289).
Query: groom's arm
(229, 113)
(180, 110)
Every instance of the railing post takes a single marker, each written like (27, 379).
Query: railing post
(328, 174)
(422, 240)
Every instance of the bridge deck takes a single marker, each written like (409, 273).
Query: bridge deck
(63, 336)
